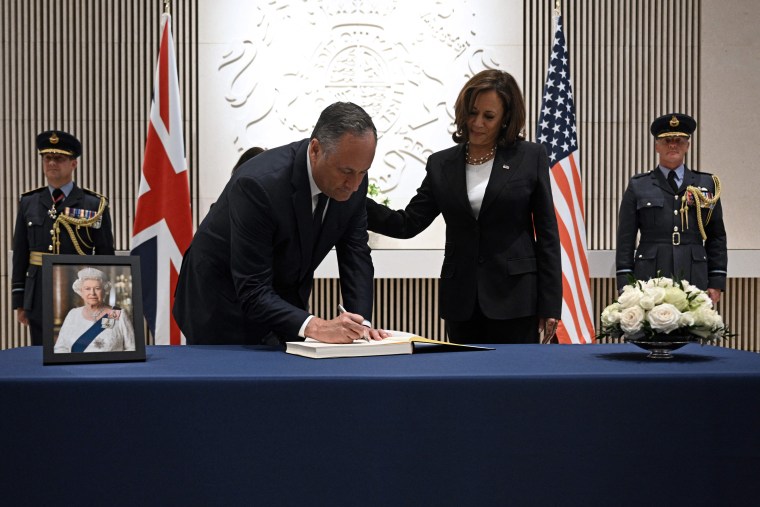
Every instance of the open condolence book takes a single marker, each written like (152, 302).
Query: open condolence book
(398, 343)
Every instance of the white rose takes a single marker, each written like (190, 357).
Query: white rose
(631, 319)
(688, 288)
(630, 297)
(663, 282)
(664, 318)
(708, 319)
(611, 315)
(677, 298)
(686, 319)
(656, 294)
(701, 317)
(700, 300)
(647, 302)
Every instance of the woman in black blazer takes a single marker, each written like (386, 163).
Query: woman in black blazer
(501, 279)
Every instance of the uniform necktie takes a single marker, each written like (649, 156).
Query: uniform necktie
(672, 181)
(57, 196)
(318, 212)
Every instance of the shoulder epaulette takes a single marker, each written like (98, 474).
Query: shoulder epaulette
(30, 192)
(92, 192)
(640, 175)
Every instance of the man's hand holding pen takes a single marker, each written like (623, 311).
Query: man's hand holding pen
(345, 328)
(367, 332)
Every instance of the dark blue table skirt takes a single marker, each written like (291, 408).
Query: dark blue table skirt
(520, 425)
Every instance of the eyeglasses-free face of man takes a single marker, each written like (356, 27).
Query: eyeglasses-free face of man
(671, 150)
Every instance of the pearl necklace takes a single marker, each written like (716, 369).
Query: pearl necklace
(93, 314)
(478, 160)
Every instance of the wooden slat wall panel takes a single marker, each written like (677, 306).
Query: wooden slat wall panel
(85, 66)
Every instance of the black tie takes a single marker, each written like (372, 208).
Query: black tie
(317, 219)
(57, 196)
(672, 181)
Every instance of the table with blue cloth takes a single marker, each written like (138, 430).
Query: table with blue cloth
(519, 425)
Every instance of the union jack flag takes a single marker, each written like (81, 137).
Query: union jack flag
(557, 132)
(163, 224)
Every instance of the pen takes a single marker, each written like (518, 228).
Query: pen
(365, 323)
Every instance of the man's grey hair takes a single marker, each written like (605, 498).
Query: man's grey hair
(341, 118)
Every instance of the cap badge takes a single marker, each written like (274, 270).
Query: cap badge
(54, 138)
(674, 121)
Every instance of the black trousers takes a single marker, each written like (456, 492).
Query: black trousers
(481, 329)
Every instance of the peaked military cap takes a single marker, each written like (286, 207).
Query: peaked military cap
(673, 125)
(58, 141)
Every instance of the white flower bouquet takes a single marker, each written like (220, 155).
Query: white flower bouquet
(663, 309)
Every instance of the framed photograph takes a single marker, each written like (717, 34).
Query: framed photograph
(92, 309)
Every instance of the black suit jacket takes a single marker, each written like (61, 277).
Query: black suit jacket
(250, 267)
(495, 258)
(651, 209)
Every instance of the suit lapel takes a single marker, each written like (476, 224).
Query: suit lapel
(505, 164)
(455, 173)
(74, 199)
(689, 178)
(661, 182)
(45, 200)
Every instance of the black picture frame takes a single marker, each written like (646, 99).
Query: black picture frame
(59, 300)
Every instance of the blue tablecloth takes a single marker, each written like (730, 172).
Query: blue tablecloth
(520, 425)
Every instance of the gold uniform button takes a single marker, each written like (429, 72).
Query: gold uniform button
(50, 248)
(675, 211)
(675, 229)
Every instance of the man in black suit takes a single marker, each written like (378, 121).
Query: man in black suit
(59, 218)
(663, 207)
(248, 273)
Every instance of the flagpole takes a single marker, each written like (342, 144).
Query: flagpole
(167, 5)
(556, 8)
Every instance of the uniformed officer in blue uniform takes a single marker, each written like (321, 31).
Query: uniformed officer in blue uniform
(60, 218)
(663, 206)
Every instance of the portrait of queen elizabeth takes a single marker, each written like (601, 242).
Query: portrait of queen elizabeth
(95, 326)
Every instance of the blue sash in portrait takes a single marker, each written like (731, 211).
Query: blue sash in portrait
(87, 337)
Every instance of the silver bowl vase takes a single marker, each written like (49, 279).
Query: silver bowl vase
(661, 345)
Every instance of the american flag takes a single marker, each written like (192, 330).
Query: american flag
(557, 132)
(163, 225)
